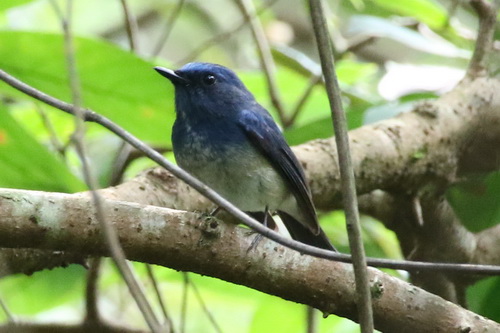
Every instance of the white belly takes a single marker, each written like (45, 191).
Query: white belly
(244, 178)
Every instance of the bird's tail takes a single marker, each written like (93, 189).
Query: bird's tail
(304, 235)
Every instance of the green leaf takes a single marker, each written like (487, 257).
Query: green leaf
(426, 11)
(289, 318)
(114, 83)
(476, 201)
(323, 128)
(484, 298)
(28, 295)
(25, 163)
(319, 129)
(6, 4)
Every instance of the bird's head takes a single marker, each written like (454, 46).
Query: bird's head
(206, 89)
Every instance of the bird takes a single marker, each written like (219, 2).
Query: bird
(226, 139)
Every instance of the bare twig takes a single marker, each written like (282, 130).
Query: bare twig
(91, 305)
(120, 163)
(315, 80)
(130, 26)
(303, 64)
(417, 210)
(168, 28)
(7, 312)
(266, 58)
(54, 140)
(125, 155)
(487, 13)
(346, 170)
(124, 150)
(230, 208)
(184, 302)
(223, 36)
(204, 306)
(163, 306)
(452, 10)
(78, 136)
(312, 320)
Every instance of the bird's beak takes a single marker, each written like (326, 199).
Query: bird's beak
(172, 76)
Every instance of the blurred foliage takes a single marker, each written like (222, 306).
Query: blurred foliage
(476, 201)
(27, 164)
(369, 36)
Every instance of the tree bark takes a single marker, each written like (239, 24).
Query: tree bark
(193, 242)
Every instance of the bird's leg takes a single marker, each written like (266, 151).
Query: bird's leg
(215, 211)
(267, 220)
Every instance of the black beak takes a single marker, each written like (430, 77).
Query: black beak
(172, 76)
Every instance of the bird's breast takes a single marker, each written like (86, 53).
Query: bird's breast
(227, 162)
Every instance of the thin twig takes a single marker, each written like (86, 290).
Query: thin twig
(184, 301)
(57, 10)
(487, 13)
(118, 167)
(168, 28)
(311, 319)
(120, 163)
(309, 67)
(204, 190)
(7, 312)
(364, 303)
(222, 37)
(204, 306)
(313, 82)
(452, 10)
(109, 232)
(54, 140)
(417, 210)
(130, 26)
(266, 58)
(163, 306)
(91, 305)
(125, 155)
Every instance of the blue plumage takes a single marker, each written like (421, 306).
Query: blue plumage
(227, 140)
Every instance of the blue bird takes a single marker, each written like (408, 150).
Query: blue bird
(223, 137)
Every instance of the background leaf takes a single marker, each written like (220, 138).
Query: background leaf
(6, 4)
(44, 290)
(115, 83)
(25, 163)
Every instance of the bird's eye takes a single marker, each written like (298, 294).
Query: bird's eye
(209, 79)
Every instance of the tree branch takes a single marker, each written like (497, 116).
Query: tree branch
(348, 183)
(157, 236)
(487, 13)
(266, 58)
(27, 261)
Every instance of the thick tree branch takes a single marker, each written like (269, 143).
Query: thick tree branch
(27, 261)
(158, 235)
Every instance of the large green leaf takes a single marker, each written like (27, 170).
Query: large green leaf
(484, 298)
(427, 11)
(25, 163)
(114, 82)
(476, 201)
(6, 4)
(28, 295)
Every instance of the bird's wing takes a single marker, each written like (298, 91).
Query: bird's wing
(266, 137)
